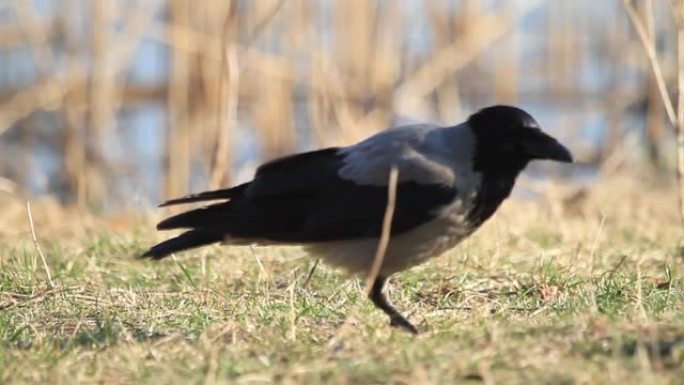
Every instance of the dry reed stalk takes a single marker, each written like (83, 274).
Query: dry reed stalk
(209, 16)
(47, 92)
(184, 38)
(448, 25)
(263, 17)
(349, 81)
(177, 155)
(648, 43)
(112, 55)
(347, 114)
(653, 113)
(326, 106)
(273, 101)
(43, 95)
(250, 57)
(101, 113)
(74, 146)
(615, 41)
(306, 43)
(558, 47)
(360, 88)
(12, 37)
(299, 16)
(354, 23)
(221, 164)
(654, 121)
(506, 71)
(355, 27)
(36, 37)
(319, 104)
(137, 20)
(410, 94)
(273, 115)
(385, 69)
(646, 31)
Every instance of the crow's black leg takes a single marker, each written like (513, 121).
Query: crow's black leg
(379, 299)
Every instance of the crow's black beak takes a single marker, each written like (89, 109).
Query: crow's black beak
(543, 146)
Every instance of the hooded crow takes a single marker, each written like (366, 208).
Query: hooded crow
(332, 201)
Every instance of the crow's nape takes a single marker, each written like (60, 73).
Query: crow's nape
(188, 240)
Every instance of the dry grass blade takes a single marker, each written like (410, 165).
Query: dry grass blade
(679, 12)
(185, 272)
(311, 273)
(262, 270)
(380, 252)
(386, 230)
(595, 242)
(34, 238)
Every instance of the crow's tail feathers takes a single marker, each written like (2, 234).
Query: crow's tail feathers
(228, 193)
(187, 240)
(202, 218)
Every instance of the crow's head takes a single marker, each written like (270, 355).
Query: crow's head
(507, 138)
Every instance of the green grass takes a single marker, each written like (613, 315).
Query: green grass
(537, 296)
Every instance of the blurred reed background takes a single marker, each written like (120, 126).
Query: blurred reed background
(119, 104)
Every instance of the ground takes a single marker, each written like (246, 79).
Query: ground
(582, 290)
